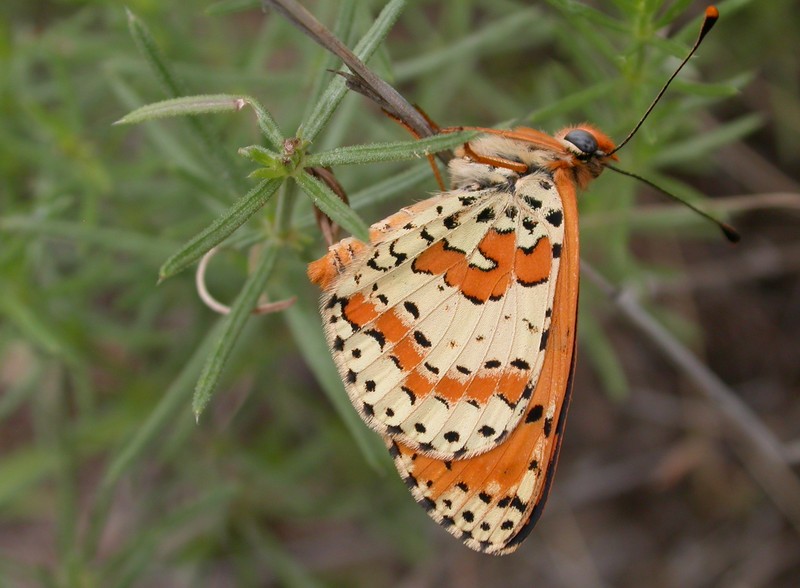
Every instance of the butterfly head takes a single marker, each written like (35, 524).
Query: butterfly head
(591, 148)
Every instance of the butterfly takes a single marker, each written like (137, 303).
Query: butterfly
(453, 329)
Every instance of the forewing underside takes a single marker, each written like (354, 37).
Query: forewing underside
(438, 327)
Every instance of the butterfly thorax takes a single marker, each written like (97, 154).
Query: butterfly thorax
(580, 152)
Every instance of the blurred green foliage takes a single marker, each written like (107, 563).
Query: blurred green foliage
(100, 448)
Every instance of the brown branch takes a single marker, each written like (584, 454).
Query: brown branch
(362, 80)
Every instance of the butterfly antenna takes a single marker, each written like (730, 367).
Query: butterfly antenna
(712, 14)
(730, 233)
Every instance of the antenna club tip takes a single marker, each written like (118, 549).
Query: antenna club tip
(730, 233)
(712, 14)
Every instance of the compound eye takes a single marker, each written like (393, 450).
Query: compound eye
(583, 140)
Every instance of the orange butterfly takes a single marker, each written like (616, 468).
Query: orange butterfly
(454, 328)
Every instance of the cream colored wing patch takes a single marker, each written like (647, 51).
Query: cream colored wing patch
(439, 325)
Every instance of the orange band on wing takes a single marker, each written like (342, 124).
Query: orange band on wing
(482, 284)
(359, 311)
(533, 267)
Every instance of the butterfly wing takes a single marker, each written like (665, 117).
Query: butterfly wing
(439, 326)
(491, 501)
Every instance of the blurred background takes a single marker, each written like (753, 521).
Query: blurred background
(107, 479)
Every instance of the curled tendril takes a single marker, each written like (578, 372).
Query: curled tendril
(264, 307)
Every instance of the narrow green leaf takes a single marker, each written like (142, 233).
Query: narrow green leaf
(401, 150)
(182, 158)
(260, 155)
(220, 229)
(113, 239)
(176, 89)
(234, 322)
(329, 203)
(184, 106)
(527, 21)
(572, 102)
(700, 145)
(335, 91)
(577, 11)
(731, 87)
(149, 49)
(266, 123)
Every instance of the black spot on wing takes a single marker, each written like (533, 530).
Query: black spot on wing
(334, 300)
(517, 504)
(411, 308)
(527, 392)
(520, 364)
(528, 224)
(543, 342)
(394, 450)
(554, 217)
(486, 215)
(467, 200)
(421, 339)
(377, 335)
(486, 431)
(534, 203)
(411, 396)
(399, 257)
(534, 414)
(451, 222)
